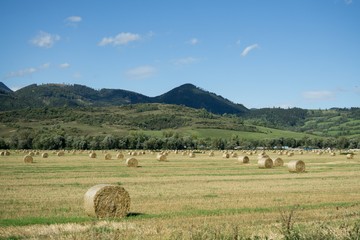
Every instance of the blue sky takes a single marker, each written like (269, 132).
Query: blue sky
(261, 53)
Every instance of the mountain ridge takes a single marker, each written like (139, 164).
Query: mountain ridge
(59, 95)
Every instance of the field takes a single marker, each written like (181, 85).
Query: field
(182, 198)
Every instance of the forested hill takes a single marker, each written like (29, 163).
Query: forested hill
(61, 95)
(333, 122)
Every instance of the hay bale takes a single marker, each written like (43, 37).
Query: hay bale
(107, 201)
(278, 162)
(59, 154)
(92, 155)
(234, 155)
(44, 155)
(132, 162)
(290, 154)
(265, 163)
(7, 153)
(28, 159)
(296, 166)
(243, 159)
(161, 157)
(191, 155)
(119, 156)
(332, 154)
(108, 156)
(349, 156)
(211, 154)
(226, 155)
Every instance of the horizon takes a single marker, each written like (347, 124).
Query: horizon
(261, 54)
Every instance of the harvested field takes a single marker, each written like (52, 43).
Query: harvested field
(178, 198)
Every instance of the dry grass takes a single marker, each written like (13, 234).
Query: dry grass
(180, 196)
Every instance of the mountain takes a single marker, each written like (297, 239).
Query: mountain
(60, 95)
(194, 97)
(4, 89)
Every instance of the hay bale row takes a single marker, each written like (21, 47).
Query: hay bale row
(107, 201)
(5, 153)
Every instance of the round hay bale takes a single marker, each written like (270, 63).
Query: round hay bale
(296, 166)
(132, 162)
(161, 157)
(108, 156)
(278, 162)
(191, 155)
(92, 155)
(107, 201)
(265, 163)
(332, 154)
(31, 154)
(234, 155)
(226, 155)
(349, 156)
(44, 155)
(59, 154)
(243, 159)
(28, 159)
(211, 154)
(7, 153)
(119, 156)
(290, 154)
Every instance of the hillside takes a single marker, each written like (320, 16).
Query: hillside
(61, 95)
(148, 126)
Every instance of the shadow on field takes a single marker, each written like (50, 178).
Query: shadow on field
(135, 214)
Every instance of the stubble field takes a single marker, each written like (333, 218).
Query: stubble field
(182, 198)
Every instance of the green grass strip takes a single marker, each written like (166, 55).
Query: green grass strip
(188, 213)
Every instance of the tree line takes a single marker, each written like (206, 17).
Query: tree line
(56, 140)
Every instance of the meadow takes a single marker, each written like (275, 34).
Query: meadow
(182, 198)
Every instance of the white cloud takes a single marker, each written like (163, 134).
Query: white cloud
(141, 72)
(319, 95)
(248, 49)
(120, 39)
(185, 61)
(44, 66)
(26, 71)
(64, 65)
(73, 19)
(193, 41)
(45, 40)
